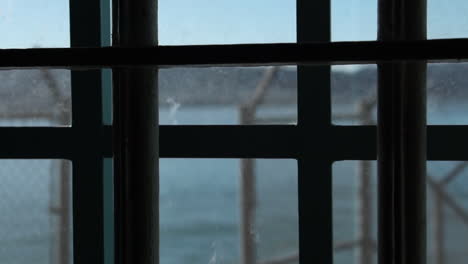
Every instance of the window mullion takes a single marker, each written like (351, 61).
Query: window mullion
(136, 151)
(402, 139)
(87, 156)
(314, 119)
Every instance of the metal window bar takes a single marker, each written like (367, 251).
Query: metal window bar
(401, 111)
(86, 131)
(135, 130)
(346, 142)
(311, 53)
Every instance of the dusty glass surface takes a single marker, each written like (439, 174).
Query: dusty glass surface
(201, 210)
(36, 221)
(447, 94)
(447, 212)
(355, 216)
(354, 212)
(185, 22)
(34, 23)
(35, 98)
(228, 95)
(354, 94)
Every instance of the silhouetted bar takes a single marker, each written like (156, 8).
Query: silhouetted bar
(402, 139)
(254, 54)
(313, 24)
(136, 138)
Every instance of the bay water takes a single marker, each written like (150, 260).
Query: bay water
(199, 202)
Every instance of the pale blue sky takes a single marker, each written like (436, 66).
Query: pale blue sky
(25, 23)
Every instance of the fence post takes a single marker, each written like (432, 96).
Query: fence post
(439, 230)
(364, 112)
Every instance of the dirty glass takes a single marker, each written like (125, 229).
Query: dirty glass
(355, 211)
(35, 98)
(36, 206)
(218, 210)
(228, 95)
(354, 94)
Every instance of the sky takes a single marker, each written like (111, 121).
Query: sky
(44, 23)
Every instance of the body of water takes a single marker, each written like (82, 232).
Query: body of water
(199, 202)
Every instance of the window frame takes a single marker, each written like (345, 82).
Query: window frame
(315, 142)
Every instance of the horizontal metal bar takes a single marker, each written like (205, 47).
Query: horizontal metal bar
(269, 141)
(50, 143)
(285, 141)
(35, 142)
(242, 54)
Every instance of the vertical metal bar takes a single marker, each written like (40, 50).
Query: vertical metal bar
(87, 188)
(402, 139)
(314, 122)
(136, 138)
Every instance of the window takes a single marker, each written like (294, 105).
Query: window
(91, 142)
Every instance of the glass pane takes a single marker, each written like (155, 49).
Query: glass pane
(228, 95)
(36, 222)
(209, 208)
(355, 212)
(35, 98)
(355, 195)
(447, 211)
(354, 93)
(354, 20)
(33, 23)
(185, 22)
(447, 20)
(447, 94)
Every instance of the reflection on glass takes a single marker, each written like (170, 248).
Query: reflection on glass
(36, 222)
(355, 211)
(35, 98)
(228, 95)
(226, 210)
